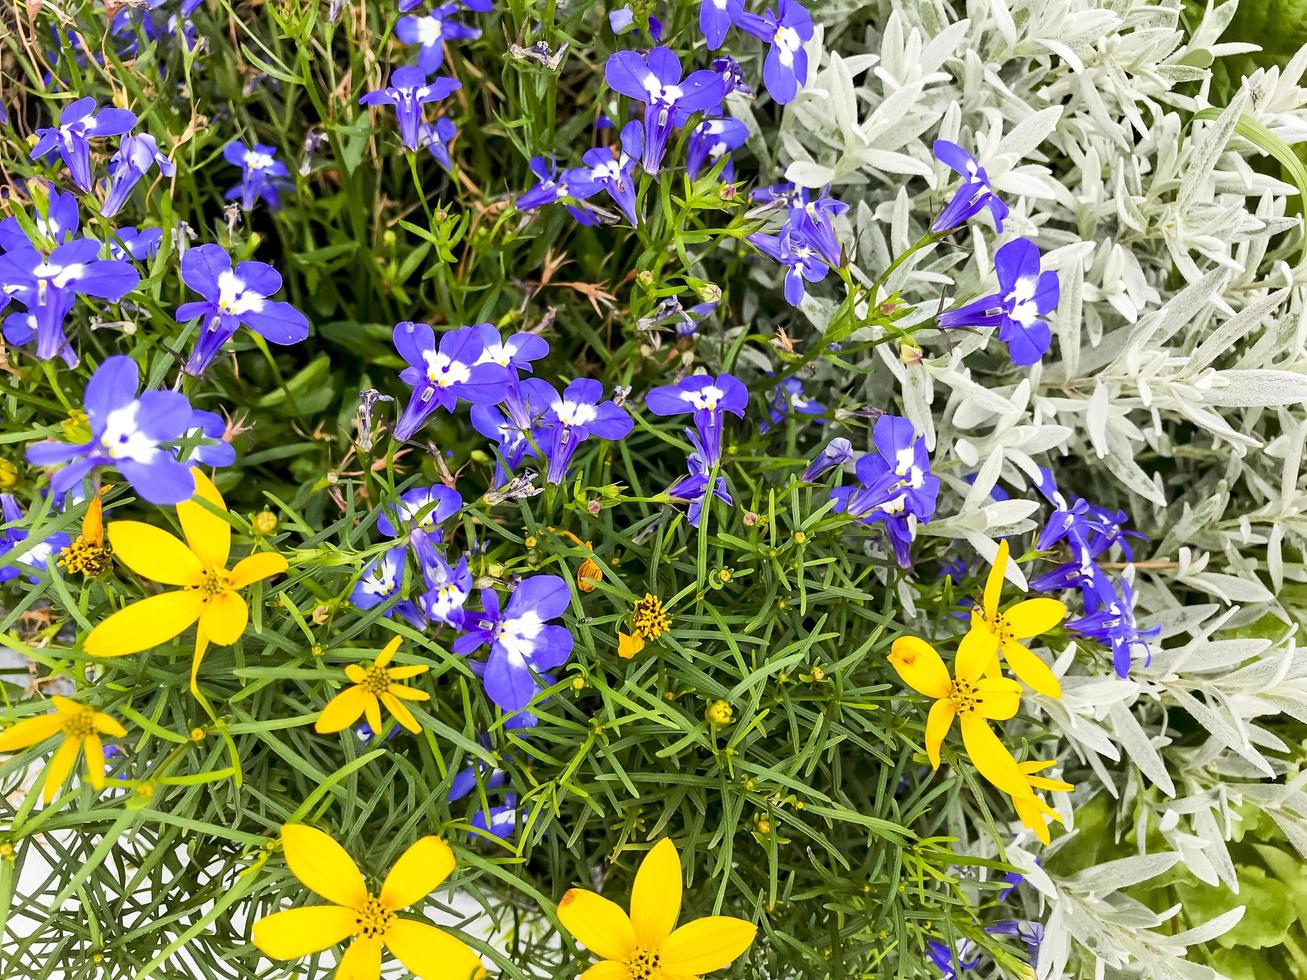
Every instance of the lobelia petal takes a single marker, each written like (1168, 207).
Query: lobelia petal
(224, 618)
(153, 553)
(256, 567)
(30, 731)
(294, 933)
(1032, 671)
(432, 953)
(341, 711)
(920, 667)
(994, 582)
(362, 960)
(322, 865)
(1031, 617)
(145, 624)
(208, 535)
(61, 764)
(656, 895)
(938, 722)
(598, 924)
(707, 944)
(419, 871)
(991, 757)
(998, 698)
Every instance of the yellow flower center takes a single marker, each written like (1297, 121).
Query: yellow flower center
(649, 620)
(1002, 628)
(80, 723)
(214, 583)
(964, 695)
(373, 919)
(643, 964)
(86, 557)
(376, 680)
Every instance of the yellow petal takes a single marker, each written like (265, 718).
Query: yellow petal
(154, 553)
(208, 534)
(61, 765)
(322, 865)
(107, 725)
(920, 667)
(256, 567)
(201, 645)
(1035, 814)
(341, 711)
(656, 896)
(224, 618)
(388, 651)
(598, 924)
(1050, 785)
(372, 711)
(994, 582)
(29, 731)
(707, 944)
(400, 712)
(628, 646)
(990, 757)
(294, 933)
(1032, 671)
(418, 872)
(607, 969)
(145, 624)
(998, 698)
(976, 655)
(938, 722)
(407, 693)
(65, 705)
(1031, 617)
(407, 671)
(362, 960)
(430, 953)
(356, 674)
(94, 749)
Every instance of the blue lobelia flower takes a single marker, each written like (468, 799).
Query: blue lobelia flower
(263, 176)
(440, 376)
(813, 220)
(554, 185)
(570, 419)
(943, 957)
(693, 487)
(135, 156)
(522, 642)
(836, 453)
(430, 31)
(37, 555)
(408, 92)
(712, 140)
(1030, 933)
(731, 74)
(136, 244)
(516, 351)
(234, 298)
(207, 431)
(446, 588)
(498, 821)
(1025, 296)
(788, 398)
(897, 488)
(513, 425)
(381, 581)
(975, 194)
(79, 123)
(715, 19)
(655, 79)
(129, 433)
(786, 28)
(48, 286)
(420, 509)
(803, 263)
(615, 174)
(56, 223)
(709, 399)
(437, 137)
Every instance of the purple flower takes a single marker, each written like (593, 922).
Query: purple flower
(211, 449)
(517, 351)
(440, 376)
(554, 185)
(431, 31)
(803, 263)
(381, 581)
(788, 397)
(709, 399)
(408, 92)
(420, 509)
(1110, 619)
(232, 298)
(813, 220)
(48, 286)
(37, 555)
(128, 433)
(135, 156)
(137, 244)
(523, 644)
(498, 821)
(836, 453)
(655, 79)
(1030, 933)
(897, 488)
(79, 123)
(56, 224)
(731, 74)
(436, 137)
(943, 957)
(712, 140)
(785, 28)
(972, 197)
(572, 418)
(446, 587)
(262, 174)
(715, 19)
(616, 174)
(513, 427)
(693, 487)
(1025, 295)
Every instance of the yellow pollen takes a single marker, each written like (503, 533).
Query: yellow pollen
(376, 680)
(643, 964)
(86, 558)
(373, 919)
(649, 620)
(80, 723)
(965, 696)
(214, 584)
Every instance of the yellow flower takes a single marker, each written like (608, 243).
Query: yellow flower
(81, 726)
(1004, 631)
(208, 592)
(368, 920)
(968, 694)
(1033, 811)
(371, 689)
(644, 946)
(89, 555)
(649, 620)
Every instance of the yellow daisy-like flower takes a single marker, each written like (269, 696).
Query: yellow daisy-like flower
(968, 695)
(368, 921)
(1033, 811)
(1005, 630)
(81, 726)
(371, 688)
(646, 945)
(89, 555)
(649, 620)
(209, 593)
